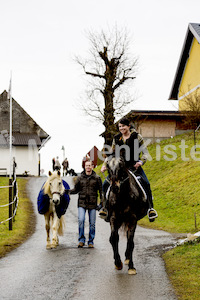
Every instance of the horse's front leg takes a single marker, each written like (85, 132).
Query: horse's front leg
(114, 240)
(129, 250)
(47, 227)
(56, 223)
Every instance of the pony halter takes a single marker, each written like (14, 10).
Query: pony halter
(56, 193)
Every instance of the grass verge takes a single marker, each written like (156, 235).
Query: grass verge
(183, 268)
(24, 224)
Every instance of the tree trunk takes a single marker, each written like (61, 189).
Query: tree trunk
(109, 120)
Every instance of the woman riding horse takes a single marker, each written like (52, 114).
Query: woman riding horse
(127, 204)
(130, 146)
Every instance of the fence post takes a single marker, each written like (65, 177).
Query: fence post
(14, 183)
(10, 204)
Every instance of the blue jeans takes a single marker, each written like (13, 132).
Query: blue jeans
(81, 224)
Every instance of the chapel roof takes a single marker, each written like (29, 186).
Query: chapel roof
(193, 31)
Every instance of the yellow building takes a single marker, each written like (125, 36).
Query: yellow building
(187, 78)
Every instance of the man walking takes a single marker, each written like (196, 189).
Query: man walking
(87, 185)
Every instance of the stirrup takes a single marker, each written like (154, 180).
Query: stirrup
(152, 210)
(103, 214)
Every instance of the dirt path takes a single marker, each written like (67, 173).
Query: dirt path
(32, 272)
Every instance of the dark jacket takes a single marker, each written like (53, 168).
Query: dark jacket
(88, 186)
(136, 146)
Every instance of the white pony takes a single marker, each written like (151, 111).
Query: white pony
(54, 188)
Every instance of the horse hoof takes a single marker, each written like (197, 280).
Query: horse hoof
(126, 262)
(53, 246)
(132, 271)
(48, 247)
(119, 267)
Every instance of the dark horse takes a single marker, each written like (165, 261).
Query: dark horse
(126, 205)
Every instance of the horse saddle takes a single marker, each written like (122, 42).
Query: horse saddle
(139, 182)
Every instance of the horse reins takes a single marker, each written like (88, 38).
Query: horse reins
(105, 178)
(121, 182)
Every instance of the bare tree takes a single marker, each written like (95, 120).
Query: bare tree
(192, 110)
(109, 67)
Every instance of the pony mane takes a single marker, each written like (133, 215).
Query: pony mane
(46, 186)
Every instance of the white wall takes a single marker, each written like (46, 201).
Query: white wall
(25, 157)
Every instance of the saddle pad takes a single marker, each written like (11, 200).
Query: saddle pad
(138, 180)
(43, 202)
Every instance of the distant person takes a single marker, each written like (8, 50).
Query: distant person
(65, 165)
(57, 165)
(53, 164)
(88, 185)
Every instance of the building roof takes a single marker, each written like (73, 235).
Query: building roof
(21, 139)
(155, 113)
(25, 129)
(193, 31)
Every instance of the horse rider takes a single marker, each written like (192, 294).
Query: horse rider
(137, 157)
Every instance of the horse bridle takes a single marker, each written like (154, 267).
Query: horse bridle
(121, 181)
(56, 193)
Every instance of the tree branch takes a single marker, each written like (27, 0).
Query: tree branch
(95, 75)
(122, 81)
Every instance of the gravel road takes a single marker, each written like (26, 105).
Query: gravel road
(32, 272)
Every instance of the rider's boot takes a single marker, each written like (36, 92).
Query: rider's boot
(103, 214)
(151, 213)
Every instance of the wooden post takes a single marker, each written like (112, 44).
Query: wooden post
(10, 205)
(194, 141)
(38, 164)
(195, 221)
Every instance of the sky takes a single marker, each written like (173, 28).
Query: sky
(39, 39)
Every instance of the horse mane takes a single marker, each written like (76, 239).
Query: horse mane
(46, 186)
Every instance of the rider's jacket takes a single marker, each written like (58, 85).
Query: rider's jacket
(132, 150)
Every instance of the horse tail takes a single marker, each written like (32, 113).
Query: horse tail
(61, 226)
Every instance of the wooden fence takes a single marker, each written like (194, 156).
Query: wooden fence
(13, 198)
